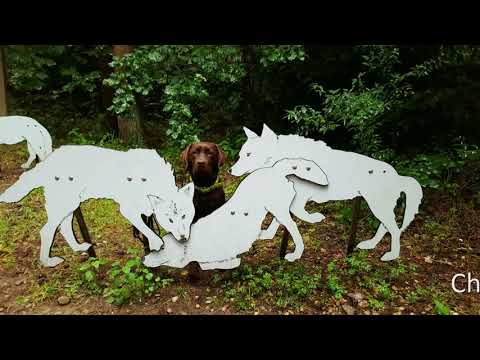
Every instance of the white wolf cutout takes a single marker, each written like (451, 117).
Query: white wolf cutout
(73, 174)
(15, 129)
(217, 239)
(349, 175)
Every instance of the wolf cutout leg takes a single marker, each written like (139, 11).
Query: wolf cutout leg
(373, 242)
(270, 232)
(31, 158)
(66, 230)
(154, 242)
(298, 209)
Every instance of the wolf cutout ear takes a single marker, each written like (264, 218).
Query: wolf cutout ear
(267, 133)
(155, 200)
(188, 190)
(250, 134)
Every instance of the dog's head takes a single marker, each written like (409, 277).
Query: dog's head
(203, 160)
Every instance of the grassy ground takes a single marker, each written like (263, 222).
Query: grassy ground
(444, 239)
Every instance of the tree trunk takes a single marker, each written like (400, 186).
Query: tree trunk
(246, 85)
(106, 94)
(130, 126)
(3, 83)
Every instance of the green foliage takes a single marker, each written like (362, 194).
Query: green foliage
(75, 136)
(441, 308)
(92, 274)
(232, 143)
(437, 170)
(356, 109)
(273, 54)
(283, 284)
(333, 282)
(132, 281)
(49, 73)
(419, 294)
(29, 66)
(121, 283)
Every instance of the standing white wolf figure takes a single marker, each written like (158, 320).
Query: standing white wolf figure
(73, 174)
(217, 239)
(15, 129)
(349, 175)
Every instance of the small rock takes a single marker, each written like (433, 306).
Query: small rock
(197, 297)
(256, 313)
(428, 260)
(169, 310)
(174, 299)
(63, 300)
(19, 282)
(197, 306)
(183, 313)
(1, 309)
(224, 308)
(363, 304)
(208, 301)
(366, 312)
(84, 257)
(349, 310)
(401, 308)
(211, 310)
(356, 297)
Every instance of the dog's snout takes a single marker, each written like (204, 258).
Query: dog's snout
(229, 171)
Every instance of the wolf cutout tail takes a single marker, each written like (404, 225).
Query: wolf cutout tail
(414, 193)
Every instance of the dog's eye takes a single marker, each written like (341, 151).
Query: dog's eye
(170, 220)
(183, 217)
(248, 154)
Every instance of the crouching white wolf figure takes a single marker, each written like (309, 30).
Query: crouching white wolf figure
(73, 174)
(217, 239)
(349, 175)
(15, 129)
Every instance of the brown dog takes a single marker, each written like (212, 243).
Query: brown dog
(202, 161)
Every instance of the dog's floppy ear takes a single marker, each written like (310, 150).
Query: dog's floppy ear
(221, 156)
(184, 156)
